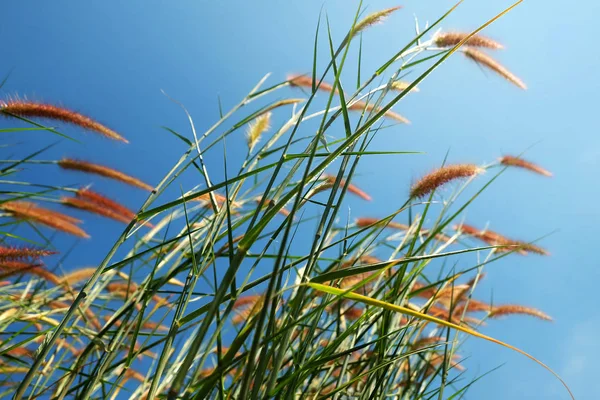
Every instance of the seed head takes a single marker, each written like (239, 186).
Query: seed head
(84, 166)
(483, 59)
(95, 208)
(441, 176)
(373, 19)
(401, 85)
(451, 39)
(256, 129)
(31, 212)
(362, 106)
(521, 163)
(307, 82)
(28, 109)
(511, 309)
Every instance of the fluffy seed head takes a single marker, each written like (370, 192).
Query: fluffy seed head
(28, 109)
(511, 309)
(521, 163)
(483, 59)
(84, 166)
(23, 253)
(401, 85)
(256, 129)
(10, 268)
(441, 176)
(31, 212)
(451, 39)
(77, 276)
(362, 106)
(373, 19)
(330, 179)
(307, 82)
(95, 208)
(363, 222)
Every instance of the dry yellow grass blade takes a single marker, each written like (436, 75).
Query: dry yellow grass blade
(407, 311)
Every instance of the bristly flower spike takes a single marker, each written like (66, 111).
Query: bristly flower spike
(513, 161)
(483, 59)
(451, 39)
(373, 19)
(259, 126)
(441, 176)
(29, 109)
(111, 173)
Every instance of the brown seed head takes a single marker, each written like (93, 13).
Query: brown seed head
(441, 176)
(23, 253)
(330, 179)
(31, 212)
(84, 166)
(511, 309)
(451, 39)
(483, 59)
(307, 82)
(373, 19)
(519, 162)
(28, 109)
(367, 108)
(10, 268)
(95, 208)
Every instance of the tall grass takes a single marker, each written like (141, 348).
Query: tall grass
(257, 286)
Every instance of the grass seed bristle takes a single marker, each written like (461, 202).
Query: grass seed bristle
(10, 268)
(84, 166)
(307, 82)
(255, 130)
(28, 109)
(521, 163)
(373, 19)
(362, 106)
(31, 212)
(451, 39)
(511, 309)
(485, 60)
(94, 208)
(441, 176)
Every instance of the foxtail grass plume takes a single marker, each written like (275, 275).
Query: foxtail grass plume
(441, 176)
(485, 60)
(84, 166)
(363, 222)
(513, 161)
(31, 212)
(10, 268)
(451, 39)
(362, 106)
(255, 130)
(270, 203)
(400, 86)
(103, 201)
(74, 277)
(94, 208)
(307, 82)
(373, 19)
(496, 239)
(510, 309)
(29, 109)
(23, 253)
(330, 179)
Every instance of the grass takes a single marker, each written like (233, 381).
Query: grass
(252, 287)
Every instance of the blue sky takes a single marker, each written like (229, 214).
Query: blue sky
(111, 61)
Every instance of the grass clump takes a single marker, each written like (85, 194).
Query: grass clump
(254, 286)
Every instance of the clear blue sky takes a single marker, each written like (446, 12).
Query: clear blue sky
(110, 60)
